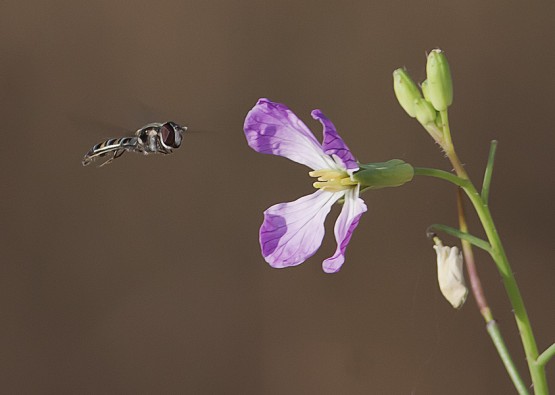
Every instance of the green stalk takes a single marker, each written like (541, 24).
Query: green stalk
(449, 148)
(537, 371)
(483, 305)
(489, 171)
(444, 175)
(484, 245)
(497, 339)
(546, 355)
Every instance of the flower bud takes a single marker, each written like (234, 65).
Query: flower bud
(425, 112)
(450, 274)
(392, 173)
(424, 87)
(439, 84)
(406, 91)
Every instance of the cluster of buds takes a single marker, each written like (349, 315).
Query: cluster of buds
(436, 94)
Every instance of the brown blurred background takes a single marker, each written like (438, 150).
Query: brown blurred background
(145, 276)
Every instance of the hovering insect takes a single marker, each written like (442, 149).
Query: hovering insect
(156, 137)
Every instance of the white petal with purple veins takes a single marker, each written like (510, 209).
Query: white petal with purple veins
(272, 128)
(346, 223)
(292, 232)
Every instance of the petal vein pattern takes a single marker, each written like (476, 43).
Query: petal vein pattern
(333, 143)
(292, 232)
(272, 128)
(346, 223)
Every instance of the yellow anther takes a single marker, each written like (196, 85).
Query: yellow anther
(327, 174)
(315, 173)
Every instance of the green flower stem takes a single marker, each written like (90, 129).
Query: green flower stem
(489, 171)
(444, 175)
(476, 241)
(546, 355)
(446, 129)
(483, 305)
(491, 325)
(449, 148)
(537, 371)
(497, 339)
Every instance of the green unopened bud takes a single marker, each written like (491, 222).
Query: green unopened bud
(392, 173)
(425, 112)
(424, 87)
(406, 91)
(439, 84)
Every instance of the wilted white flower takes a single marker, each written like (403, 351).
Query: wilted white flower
(450, 274)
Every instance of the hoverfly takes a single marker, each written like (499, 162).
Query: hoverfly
(156, 137)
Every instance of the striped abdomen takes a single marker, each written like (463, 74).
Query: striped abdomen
(114, 146)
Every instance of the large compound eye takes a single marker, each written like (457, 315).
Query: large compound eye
(170, 137)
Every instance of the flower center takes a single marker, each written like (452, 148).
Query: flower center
(332, 180)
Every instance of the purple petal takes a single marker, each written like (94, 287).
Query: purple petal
(272, 128)
(333, 143)
(353, 208)
(292, 232)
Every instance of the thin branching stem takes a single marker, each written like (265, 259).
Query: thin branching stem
(476, 241)
(497, 339)
(483, 305)
(545, 356)
(537, 371)
(470, 263)
(489, 171)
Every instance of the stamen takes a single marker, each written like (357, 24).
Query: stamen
(327, 174)
(332, 180)
(347, 181)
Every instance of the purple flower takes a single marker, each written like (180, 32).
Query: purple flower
(292, 232)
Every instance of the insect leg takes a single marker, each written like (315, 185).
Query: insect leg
(115, 154)
(118, 153)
